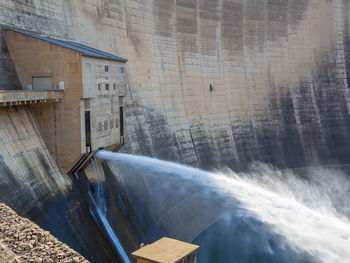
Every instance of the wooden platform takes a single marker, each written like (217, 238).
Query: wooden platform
(22, 97)
(165, 250)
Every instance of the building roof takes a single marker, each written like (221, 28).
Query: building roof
(85, 50)
(165, 250)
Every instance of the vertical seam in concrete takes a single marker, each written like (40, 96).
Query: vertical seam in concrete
(340, 63)
(194, 147)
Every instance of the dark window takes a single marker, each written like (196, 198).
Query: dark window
(114, 86)
(107, 86)
(106, 125)
(116, 123)
(99, 86)
(87, 128)
(121, 118)
(106, 68)
(122, 70)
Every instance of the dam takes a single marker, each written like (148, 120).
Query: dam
(222, 123)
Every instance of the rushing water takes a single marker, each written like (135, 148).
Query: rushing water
(99, 213)
(266, 215)
(101, 202)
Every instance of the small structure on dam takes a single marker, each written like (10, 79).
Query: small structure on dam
(167, 250)
(88, 86)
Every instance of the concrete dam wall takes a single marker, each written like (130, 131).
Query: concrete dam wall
(210, 83)
(33, 185)
(220, 82)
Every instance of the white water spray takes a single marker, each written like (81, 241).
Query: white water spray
(317, 231)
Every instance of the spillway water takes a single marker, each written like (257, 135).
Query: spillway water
(266, 215)
(101, 217)
(101, 202)
(99, 213)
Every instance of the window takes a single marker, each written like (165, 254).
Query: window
(100, 126)
(107, 87)
(87, 67)
(121, 118)
(99, 86)
(106, 68)
(73, 67)
(87, 128)
(42, 83)
(114, 86)
(122, 70)
(86, 104)
(105, 125)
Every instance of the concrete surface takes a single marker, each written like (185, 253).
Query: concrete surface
(278, 68)
(32, 184)
(279, 71)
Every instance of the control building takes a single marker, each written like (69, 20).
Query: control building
(87, 87)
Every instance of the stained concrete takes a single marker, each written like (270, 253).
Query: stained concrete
(279, 72)
(8, 76)
(278, 68)
(32, 184)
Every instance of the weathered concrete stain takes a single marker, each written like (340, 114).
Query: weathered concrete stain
(33, 185)
(279, 73)
(271, 64)
(8, 77)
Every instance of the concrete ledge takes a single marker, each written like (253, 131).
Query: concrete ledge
(21, 97)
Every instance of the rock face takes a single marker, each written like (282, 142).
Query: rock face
(23, 241)
(219, 82)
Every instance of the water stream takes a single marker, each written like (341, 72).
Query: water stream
(263, 216)
(99, 213)
(100, 199)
